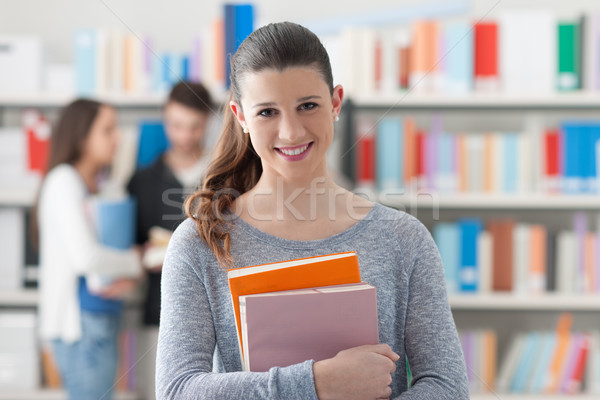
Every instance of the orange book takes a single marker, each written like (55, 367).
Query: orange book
(410, 148)
(590, 255)
(302, 273)
(424, 50)
(563, 338)
(218, 29)
(490, 346)
(488, 159)
(52, 378)
(537, 261)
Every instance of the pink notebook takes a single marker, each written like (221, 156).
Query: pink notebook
(289, 327)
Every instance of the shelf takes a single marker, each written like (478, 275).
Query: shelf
(150, 100)
(408, 202)
(17, 198)
(19, 298)
(48, 394)
(504, 396)
(509, 301)
(29, 298)
(499, 101)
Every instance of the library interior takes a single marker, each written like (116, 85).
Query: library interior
(479, 118)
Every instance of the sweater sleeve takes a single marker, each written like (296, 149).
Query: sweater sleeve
(187, 341)
(431, 341)
(63, 214)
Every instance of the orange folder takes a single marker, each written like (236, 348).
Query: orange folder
(326, 270)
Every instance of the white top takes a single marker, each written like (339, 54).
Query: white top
(190, 177)
(69, 249)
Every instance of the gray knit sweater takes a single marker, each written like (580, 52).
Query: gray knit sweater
(198, 356)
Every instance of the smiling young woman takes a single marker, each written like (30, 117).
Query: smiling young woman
(267, 196)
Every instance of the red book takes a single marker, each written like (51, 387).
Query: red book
(502, 254)
(486, 56)
(37, 129)
(575, 381)
(552, 160)
(290, 327)
(404, 63)
(420, 159)
(378, 64)
(365, 153)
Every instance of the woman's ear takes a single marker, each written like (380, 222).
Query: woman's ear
(337, 98)
(236, 109)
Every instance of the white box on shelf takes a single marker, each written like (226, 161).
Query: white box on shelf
(20, 64)
(19, 357)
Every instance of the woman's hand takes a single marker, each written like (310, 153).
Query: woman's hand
(361, 373)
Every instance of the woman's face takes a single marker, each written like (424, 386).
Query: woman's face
(289, 115)
(101, 143)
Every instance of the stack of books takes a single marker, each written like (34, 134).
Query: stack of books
(303, 309)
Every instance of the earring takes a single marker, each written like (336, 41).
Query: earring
(245, 130)
(337, 118)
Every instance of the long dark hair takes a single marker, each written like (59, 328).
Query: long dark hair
(66, 143)
(236, 167)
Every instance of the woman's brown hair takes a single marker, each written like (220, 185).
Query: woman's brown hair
(236, 167)
(67, 141)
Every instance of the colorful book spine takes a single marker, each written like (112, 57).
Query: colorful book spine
(389, 147)
(469, 276)
(568, 63)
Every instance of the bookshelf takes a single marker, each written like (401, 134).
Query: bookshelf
(505, 313)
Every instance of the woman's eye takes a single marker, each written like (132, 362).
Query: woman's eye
(266, 112)
(308, 106)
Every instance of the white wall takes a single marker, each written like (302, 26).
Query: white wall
(173, 23)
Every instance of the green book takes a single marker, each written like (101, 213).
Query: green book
(568, 60)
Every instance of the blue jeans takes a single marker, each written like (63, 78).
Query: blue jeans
(89, 365)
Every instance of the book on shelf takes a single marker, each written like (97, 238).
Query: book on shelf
(288, 327)
(485, 71)
(563, 159)
(21, 63)
(326, 270)
(502, 255)
(239, 23)
(480, 351)
(569, 56)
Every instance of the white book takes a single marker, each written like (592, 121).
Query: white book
(350, 55)
(366, 71)
(116, 62)
(591, 52)
(521, 257)
(390, 57)
(593, 365)
(102, 61)
(485, 261)
(475, 163)
(524, 161)
(566, 261)
(527, 51)
(123, 165)
(509, 364)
